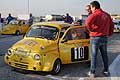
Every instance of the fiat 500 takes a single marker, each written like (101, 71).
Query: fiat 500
(47, 45)
(15, 27)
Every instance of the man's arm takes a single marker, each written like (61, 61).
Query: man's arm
(89, 22)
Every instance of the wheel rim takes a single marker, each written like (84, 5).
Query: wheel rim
(18, 33)
(57, 66)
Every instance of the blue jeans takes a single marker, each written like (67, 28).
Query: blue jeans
(98, 43)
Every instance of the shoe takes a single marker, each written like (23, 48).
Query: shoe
(91, 75)
(106, 73)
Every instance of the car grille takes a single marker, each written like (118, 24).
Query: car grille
(22, 66)
(21, 52)
(21, 61)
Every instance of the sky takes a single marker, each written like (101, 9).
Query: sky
(46, 7)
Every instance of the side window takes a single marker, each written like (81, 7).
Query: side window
(68, 36)
(20, 23)
(78, 33)
(62, 32)
(75, 34)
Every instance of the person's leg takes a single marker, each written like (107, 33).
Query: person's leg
(94, 50)
(103, 50)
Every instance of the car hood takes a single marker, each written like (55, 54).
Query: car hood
(34, 45)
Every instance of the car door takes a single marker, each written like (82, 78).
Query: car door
(74, 46)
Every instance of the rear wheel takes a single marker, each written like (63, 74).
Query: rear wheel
(56, 67)
(17, 33)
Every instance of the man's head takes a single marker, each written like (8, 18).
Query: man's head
(9, 14)
(88, 9)
(30, 14)
(94, 5)
(67, 14)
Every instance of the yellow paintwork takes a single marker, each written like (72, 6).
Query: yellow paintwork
(13, 28)
(49, 50)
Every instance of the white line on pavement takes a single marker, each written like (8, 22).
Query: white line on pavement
(114, 68)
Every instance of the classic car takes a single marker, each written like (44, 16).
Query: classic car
(47, 45)
(15, 27)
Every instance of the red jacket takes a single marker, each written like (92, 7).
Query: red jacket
(100, 23)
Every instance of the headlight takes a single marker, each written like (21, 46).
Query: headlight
(9, 52)
(37, 57)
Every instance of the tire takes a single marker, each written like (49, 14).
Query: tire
(56, 67)
(17, 33)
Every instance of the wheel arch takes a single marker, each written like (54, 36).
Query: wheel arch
(50, 68)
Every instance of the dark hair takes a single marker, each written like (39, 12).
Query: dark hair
(95, 4)
(67, 14)
(87, 5)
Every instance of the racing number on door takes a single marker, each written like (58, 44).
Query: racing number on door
(79, 54)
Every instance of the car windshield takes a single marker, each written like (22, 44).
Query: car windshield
(13, 22)
(47, 32)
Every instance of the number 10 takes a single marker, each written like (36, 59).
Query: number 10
(79, 53)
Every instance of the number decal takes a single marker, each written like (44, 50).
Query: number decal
(75, 51)
(78, 54)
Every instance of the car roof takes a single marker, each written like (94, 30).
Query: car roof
(56, 24)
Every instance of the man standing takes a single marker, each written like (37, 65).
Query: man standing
(30, 21)
(1, 19)
(9, 18)
(100, 25)
(88, 9)
(68, 19)
(1, 22)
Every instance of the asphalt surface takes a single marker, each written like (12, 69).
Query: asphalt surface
(75, 71)
(6, 41)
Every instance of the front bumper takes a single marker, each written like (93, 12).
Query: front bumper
(23, 63)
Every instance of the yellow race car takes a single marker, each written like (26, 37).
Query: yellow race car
(47, 45)
(15, 27)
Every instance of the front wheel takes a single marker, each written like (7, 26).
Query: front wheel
(56, 67)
